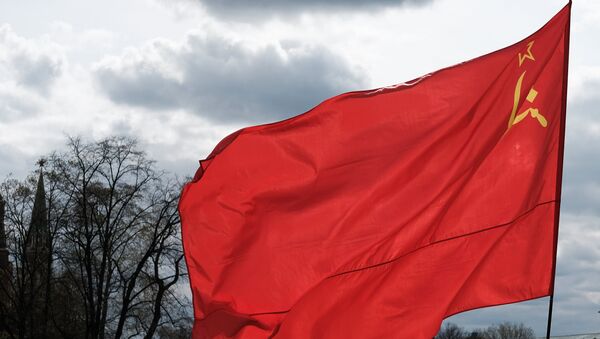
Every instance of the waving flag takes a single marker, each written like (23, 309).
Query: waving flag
(379, 213)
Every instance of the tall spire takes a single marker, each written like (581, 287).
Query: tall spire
(38, 228)
(38, 259)
(39, 217)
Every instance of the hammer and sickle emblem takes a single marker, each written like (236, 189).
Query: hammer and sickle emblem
(534, 112)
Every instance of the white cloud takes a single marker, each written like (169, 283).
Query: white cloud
(33, 123)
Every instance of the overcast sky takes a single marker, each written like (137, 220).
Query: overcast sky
(182, 74)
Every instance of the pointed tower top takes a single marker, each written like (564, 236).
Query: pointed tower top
(39, 219)
(42, 162)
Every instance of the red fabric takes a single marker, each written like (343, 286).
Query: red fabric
(379, 213)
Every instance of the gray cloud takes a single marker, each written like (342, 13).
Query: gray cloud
(261, 8)
(28, 70)
(577, 290)
(36, 71)
(14, 162)
(33, 65)
(16, 104)
(225, 80)
(581, 183)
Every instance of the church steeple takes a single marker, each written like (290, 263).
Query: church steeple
(38, 228)
(38, 261)
(37, 247)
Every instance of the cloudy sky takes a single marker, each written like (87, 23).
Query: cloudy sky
(181, 74)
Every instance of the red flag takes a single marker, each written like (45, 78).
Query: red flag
(379, 213)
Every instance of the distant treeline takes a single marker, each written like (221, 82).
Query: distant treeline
(504, 330)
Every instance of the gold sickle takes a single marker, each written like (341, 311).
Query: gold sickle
(517, 96)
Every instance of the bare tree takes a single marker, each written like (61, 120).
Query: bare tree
(115, 256)
(505, 330)
(475, 335)
(508, 330)
(451, 331)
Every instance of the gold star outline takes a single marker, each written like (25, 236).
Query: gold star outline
(528, 55)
